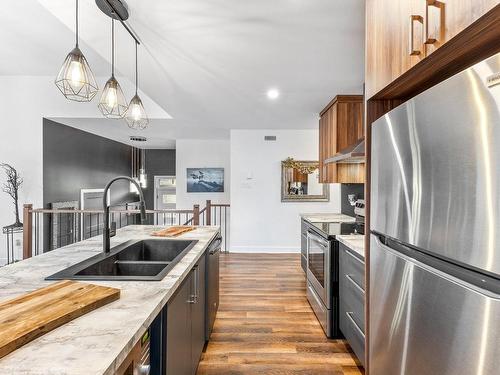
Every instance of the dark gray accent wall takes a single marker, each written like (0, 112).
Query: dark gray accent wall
(158, 163)
(345, 190)
(74, 159)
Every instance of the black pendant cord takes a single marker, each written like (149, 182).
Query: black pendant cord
(136, 70)
(112, 47)
(76, 24)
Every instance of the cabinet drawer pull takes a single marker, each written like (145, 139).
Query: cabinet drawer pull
(196, 284)
(356, 285)
(355, 257)
(413, 18)
(439, 5)
(349, 315)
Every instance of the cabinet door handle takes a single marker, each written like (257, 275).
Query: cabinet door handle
(414, 18)
(194, 296)
(439, 5)
(354, 257)
(196, 283)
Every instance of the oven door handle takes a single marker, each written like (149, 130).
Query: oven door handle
(316, 238)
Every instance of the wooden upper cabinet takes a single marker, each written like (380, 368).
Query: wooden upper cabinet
(399, 34)
(340, 126)
(387, 35)
(446, 18)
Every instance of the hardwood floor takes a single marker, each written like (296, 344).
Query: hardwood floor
(265, 324)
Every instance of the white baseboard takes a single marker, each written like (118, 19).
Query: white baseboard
(264, 249)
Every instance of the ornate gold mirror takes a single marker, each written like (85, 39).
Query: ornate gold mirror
(300, 182)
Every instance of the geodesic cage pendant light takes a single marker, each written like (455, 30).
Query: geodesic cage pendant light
(113, 104)
(75, 79)
(136, 116)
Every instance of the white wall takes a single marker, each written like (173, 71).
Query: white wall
(195, 153)
(260, 222)
(25, 101)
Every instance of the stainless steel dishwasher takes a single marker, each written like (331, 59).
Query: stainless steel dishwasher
(212, 284)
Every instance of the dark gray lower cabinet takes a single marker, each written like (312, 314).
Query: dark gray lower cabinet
(178, 330)
(352, 299)
(198, 315)
(212, 287)
(185, 323)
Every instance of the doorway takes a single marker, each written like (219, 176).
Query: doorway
(165, 197)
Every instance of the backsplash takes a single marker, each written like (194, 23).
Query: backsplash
(345, 190)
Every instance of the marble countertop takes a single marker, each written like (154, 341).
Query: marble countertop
(326, 217)
(354, 242)
(97, 342)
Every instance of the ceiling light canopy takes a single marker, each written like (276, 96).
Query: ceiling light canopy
(273, 94)
(113, 104)
(75, 79)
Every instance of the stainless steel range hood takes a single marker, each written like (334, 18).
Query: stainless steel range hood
(350, 155)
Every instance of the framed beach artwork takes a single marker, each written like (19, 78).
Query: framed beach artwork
(205, 180)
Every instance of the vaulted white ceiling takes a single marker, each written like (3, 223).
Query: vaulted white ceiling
(205, 63)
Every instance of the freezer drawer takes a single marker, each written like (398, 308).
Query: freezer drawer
(423, 321)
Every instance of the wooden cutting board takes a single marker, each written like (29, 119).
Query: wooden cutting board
(173, 231)
(29, 316)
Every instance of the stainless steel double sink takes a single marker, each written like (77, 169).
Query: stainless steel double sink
(146, 260)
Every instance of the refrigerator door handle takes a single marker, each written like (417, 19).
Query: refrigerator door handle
(479, 283)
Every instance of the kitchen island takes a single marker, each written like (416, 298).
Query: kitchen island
(98, 342)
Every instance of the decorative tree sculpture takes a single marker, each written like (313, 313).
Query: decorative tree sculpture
(11, 187)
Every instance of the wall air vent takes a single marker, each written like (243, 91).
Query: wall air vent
(269, 138)
(136, 138)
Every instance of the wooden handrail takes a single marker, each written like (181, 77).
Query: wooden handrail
(88, 211)
(28, 211)
(221, 205)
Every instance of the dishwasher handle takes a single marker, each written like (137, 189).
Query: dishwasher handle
(215, 245)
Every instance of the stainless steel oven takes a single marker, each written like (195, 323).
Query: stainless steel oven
(319, 266)
(320, 280)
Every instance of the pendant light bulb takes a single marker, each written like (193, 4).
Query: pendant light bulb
(112, 103)
(111, 98)
(75, 79)
(136, 116)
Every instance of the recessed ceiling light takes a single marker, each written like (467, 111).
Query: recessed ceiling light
(273, 94)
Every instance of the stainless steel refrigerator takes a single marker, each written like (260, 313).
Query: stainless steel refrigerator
(435, 230)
